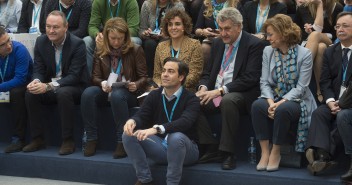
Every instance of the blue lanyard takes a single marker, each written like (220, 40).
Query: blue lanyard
(169, 118)
(36, 14)
(258, 24)
(58, 65)
(2, 74)
(157, 12)
(173, 53)
(216, 24)
(118, 70)
(117, 10)
(225, 64)
(69, 13)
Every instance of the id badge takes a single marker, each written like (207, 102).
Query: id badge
(33, 30)
(342, 89)
(112, 79)
(156, 32)
(55, 79)
(219, 80)
(5, 97)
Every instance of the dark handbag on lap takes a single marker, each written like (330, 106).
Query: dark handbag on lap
(345, 100)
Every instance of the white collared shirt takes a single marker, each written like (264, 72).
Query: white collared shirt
(36, 7)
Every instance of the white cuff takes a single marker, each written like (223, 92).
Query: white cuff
(226, 90)
(162, 128)
(330, 100)
(206, 88)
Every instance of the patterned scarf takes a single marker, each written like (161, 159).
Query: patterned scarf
(115, 55)
(287, 77)
(217, 7)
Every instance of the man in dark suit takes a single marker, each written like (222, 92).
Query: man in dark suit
(32, 17)
(336, 75)
(230, 83)
(59, 76)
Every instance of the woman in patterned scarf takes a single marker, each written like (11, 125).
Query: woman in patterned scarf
(286, 103)
(10, 13)
(119, 76)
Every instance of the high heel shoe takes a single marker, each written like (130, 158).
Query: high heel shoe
(273, 168)
(261, 168)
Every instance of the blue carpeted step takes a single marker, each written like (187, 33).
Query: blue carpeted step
(103, 169)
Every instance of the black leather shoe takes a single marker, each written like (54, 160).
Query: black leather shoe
(210, 157)
(229, 163)
(347, 177)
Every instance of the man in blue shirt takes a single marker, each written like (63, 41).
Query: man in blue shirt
(15, 72)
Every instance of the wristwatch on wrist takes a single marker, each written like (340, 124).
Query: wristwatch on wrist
(48, 87)
(158, 129)
(222, 92)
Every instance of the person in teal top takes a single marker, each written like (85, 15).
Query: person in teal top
(102, 11)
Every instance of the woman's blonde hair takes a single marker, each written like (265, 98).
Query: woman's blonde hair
(284, 25)
(328, 6)
(115, 24)
(208, 12)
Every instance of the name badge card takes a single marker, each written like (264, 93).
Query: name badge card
(342, 89)
(5, 97)
(33, 30)
(112, 79)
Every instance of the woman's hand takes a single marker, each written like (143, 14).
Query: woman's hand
(105, 87)
(132, 87)
(147, 32)
(208, 32)
(273, 107)
(308, 28)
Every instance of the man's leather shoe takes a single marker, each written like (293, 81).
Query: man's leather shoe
(15, 146)
(67, 147)
(90, 148)
(36, 144)
(347, 177)
(229, 163)
(310, 155)
(119, 151)
(210, 157)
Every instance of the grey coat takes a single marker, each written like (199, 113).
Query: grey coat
(301, 91)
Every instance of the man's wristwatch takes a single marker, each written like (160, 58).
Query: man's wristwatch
(158, 129)
(48, 87)
(222, 92)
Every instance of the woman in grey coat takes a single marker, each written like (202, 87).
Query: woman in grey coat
(286, 103)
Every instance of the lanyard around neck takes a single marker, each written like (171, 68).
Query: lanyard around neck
(36, 14)
(118, 70)
(169, 118)
(117, 10)
(225, 63)
(3, 73)
(58, 65)
(173, 53)
(258, 23)
(69, 13)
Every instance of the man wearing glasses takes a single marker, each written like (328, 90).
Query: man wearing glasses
(229, 84)
(336, 76)
(15, 73)
(59, 76)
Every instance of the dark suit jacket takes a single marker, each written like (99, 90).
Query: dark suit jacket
(248, 64)
(331, 75)
(26, 17)
(249, 12)
(73, 64)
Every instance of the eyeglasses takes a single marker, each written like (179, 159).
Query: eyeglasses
(343, 26)
(5, 43)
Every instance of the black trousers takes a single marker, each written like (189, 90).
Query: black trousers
(286, 119)
(323, 132)
(65, 97)
(232, 106)
(19, 111)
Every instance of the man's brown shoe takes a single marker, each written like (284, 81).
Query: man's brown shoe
(119, 151)
(36, 144)
(15, 146)
(90, 148)
(67, 147)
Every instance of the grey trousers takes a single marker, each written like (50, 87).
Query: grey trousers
(180, 151)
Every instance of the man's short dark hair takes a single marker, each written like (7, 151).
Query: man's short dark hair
(182, 67)
(2, 30)
(343, 14)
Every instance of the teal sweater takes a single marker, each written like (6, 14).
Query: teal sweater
(101, 13)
